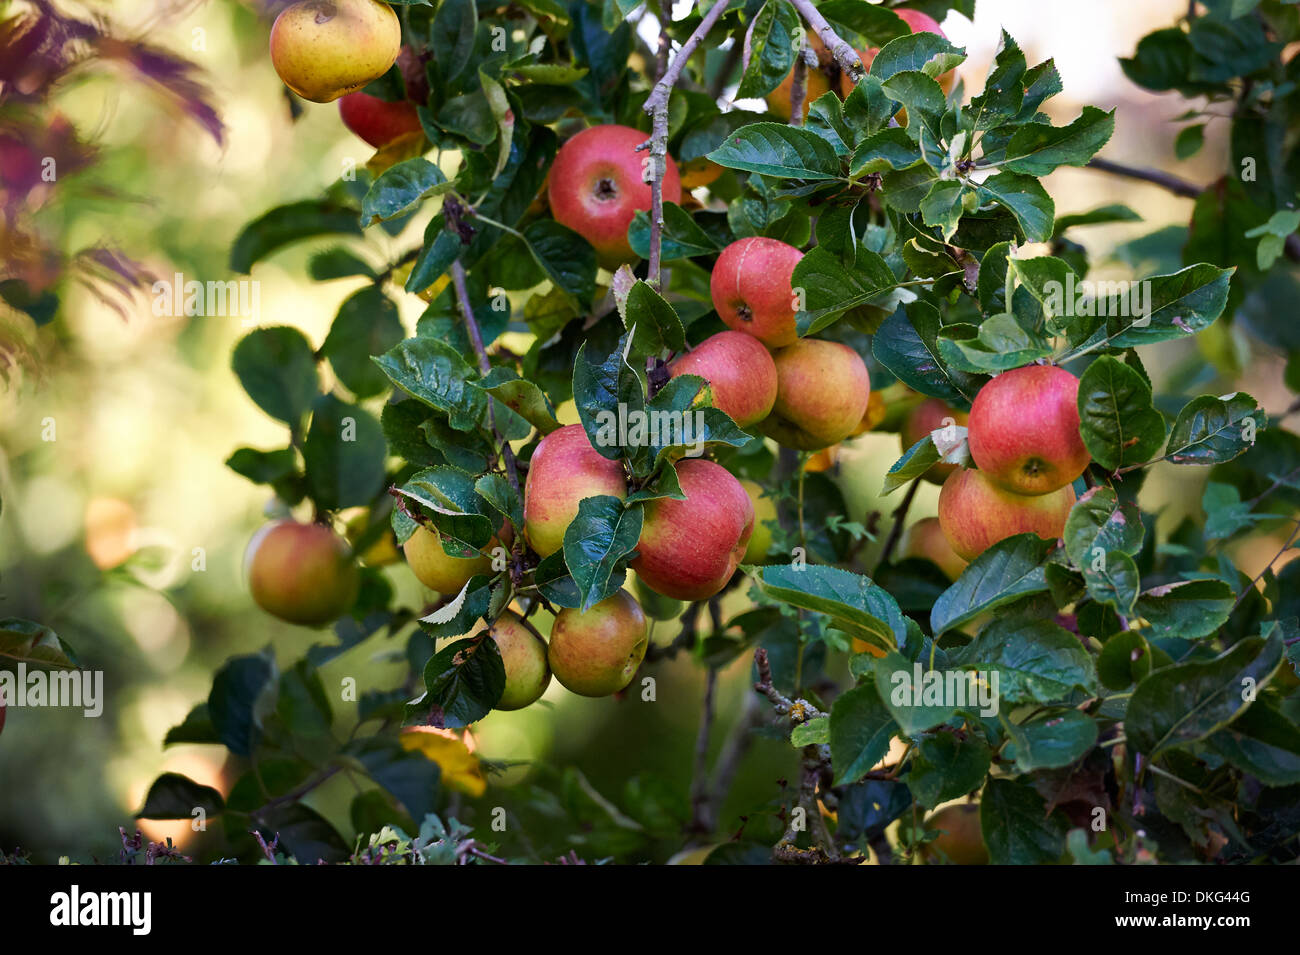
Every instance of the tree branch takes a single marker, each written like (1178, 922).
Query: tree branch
(1174, 184)
(701, 808)
(849, 62)
(896, 532)
(656, 105)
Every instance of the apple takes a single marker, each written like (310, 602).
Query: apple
(301, 573)
(596, 185)
(379, 122)
(975, 513)
(437, 569)
(751, 289)
(565, 469)
(823, 390)
(740, 372)
(930, 415)
(760, 541)
(961, 839)
(597, 653)
(324, 49)
(925, 539)
(816, 81)
(1024, 430)
(523, 651)
(689, 549)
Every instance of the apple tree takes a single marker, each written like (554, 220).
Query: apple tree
(1104, 689)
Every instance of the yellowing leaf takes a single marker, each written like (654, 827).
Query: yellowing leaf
(460, 767)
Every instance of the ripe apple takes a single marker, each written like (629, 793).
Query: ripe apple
(565, 469)
(975, 513)
(301, 573)
(596, 185)
(437, 569)
(597, 653)
(961, 840)
(324, 49)
(523, 651)
(379, 122)
(1024, 430)
(822, 393)
(740, 372)
(751, 290)
(760, 541)
(689, 549)
(816, 81)
(930, 415)
(925, 539)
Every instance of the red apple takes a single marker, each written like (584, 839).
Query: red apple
(925, 539)
(565, 469)
(975, 513)
(751, 289)
(1024, 429)
(930, 415)
(597, 653)
(302, 573)
(523, 651)
(823, 390)
(597, 184)
(738, 369)
(379, 122)
(689, 549)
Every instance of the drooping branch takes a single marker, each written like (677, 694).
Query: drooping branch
(656, 105)
(1174, 184)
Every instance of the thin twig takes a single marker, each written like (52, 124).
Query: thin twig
(896, 532)
(849, 62)
(1267, 567)
(656, 105)
(1170, 182)
(701, 808)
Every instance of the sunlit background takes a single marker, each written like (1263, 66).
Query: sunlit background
(124, 533)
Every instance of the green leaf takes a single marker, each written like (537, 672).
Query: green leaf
(907, 344)
(1053, 740)
(434, 373)
(813, 733)
(774, 149)
(999, 343)
(598, 544)
(1007, 571)
(943, 206)
(1262, 742)
(657, 323)
(367, 324)
(338, 264)
(600, 389)
(681, 237)
(1189, 141)
(1124, 660)
(462, 682)
(243, 692)
(890, 148)
(1036, 148)
(1189, 609)
(917, 700)
(568, 259)
(916, 460)
(861, 729)
(1036, 660)
(1212, 430)
(1117, 421)
(854, 603)
(401, 189)
(496, 490)
(22, 641)
(1026, 199)
(926, 52)
(947, 767)
(1099, 522)
(410, 777)
(521, 396)
(343, 454)
(1178, 305)
(173, 796)
(771, 49)
(1187, 702)
(829, 289)
(1112, 579)
(197, 728)
(1018, 827)
(277, 368)
(287, 224)
(1102, 215)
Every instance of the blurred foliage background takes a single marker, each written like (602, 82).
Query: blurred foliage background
(123, 530)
